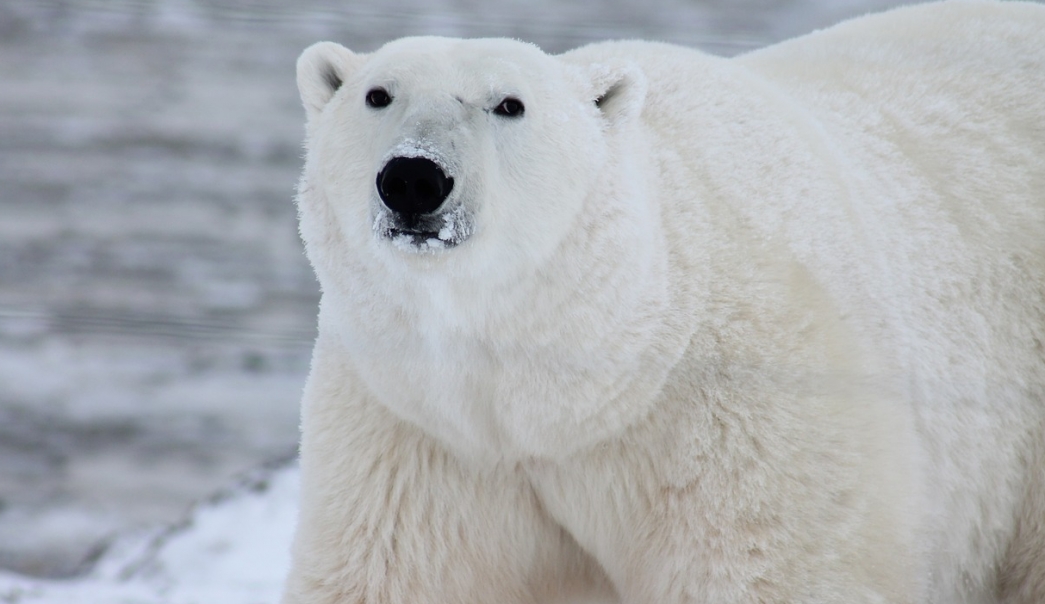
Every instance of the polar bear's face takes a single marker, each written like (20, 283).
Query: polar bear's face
(433, 148)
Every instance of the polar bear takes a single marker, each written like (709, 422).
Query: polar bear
(646, 325)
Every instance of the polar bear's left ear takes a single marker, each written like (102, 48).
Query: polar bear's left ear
(618, 90)
(322, 69)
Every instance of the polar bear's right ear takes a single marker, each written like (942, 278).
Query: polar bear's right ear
(618, 89)
(322, 68)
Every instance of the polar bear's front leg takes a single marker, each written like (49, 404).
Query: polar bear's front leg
(388, 516)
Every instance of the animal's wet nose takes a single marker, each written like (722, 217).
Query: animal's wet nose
(413, 185)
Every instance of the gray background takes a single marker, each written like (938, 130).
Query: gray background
(156, 310)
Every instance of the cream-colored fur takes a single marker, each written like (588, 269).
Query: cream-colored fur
(764, 329)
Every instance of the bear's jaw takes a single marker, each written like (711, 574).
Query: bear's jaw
(424, 233)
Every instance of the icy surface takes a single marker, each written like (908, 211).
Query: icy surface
(233, 549)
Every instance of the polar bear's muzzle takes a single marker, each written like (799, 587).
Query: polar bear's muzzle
(415, 213)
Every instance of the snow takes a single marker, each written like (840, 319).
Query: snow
(232, 549)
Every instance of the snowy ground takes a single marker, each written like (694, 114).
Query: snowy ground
(156, 312)
(231, 550)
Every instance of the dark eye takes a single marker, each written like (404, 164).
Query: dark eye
(510, 107)
(378, 98)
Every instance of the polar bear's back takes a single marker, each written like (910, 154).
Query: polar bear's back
(938, 114)
(952, 72)
(954, 92)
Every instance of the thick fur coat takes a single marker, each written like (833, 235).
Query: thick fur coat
(684, 329)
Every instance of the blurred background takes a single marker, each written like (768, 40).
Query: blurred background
(156, 308)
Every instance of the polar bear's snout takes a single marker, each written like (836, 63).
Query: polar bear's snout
(413, 185)
(415, 210)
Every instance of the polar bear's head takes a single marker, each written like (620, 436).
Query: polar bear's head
(474, 205)
(464, 153)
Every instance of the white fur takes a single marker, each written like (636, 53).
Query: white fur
(765, 329)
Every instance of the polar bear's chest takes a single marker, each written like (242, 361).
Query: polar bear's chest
(445, 385)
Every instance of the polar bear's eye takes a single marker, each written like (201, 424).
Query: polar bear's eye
(378, 98)
(510, 107)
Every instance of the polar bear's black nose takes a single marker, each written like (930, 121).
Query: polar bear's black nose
(413, 185)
